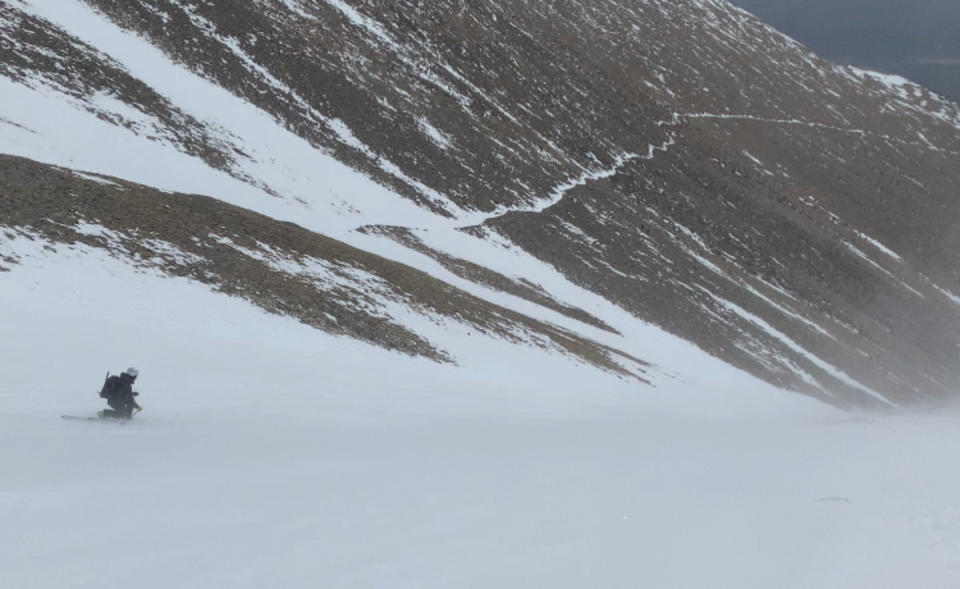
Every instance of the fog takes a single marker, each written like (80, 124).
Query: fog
(917, 39)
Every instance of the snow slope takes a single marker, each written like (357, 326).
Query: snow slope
(273, 454)
(97, 97)
(270, 454)
(318, 192)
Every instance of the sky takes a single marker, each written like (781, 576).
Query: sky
(919, 39)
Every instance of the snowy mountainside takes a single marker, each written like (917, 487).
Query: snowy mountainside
(530, 172)
(281, 267)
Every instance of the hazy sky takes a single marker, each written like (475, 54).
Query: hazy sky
(916, 38)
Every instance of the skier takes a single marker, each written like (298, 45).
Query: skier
(119, 393)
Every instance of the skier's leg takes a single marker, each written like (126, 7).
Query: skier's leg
(117, 409)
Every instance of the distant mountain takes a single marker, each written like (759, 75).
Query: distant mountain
(915, 39)
(363, 164)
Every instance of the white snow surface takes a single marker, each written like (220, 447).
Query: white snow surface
(270, 454)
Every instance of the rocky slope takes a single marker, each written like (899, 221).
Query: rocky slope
(792, 217)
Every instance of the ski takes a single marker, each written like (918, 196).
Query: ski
(94, 418)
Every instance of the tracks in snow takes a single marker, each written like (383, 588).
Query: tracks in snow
(558, 193)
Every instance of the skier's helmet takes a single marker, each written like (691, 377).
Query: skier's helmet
(131, 372)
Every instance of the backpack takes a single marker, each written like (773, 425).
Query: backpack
(110, 384)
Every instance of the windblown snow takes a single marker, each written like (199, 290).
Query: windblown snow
(273, 454)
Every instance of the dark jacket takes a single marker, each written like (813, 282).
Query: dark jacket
(120, 392)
